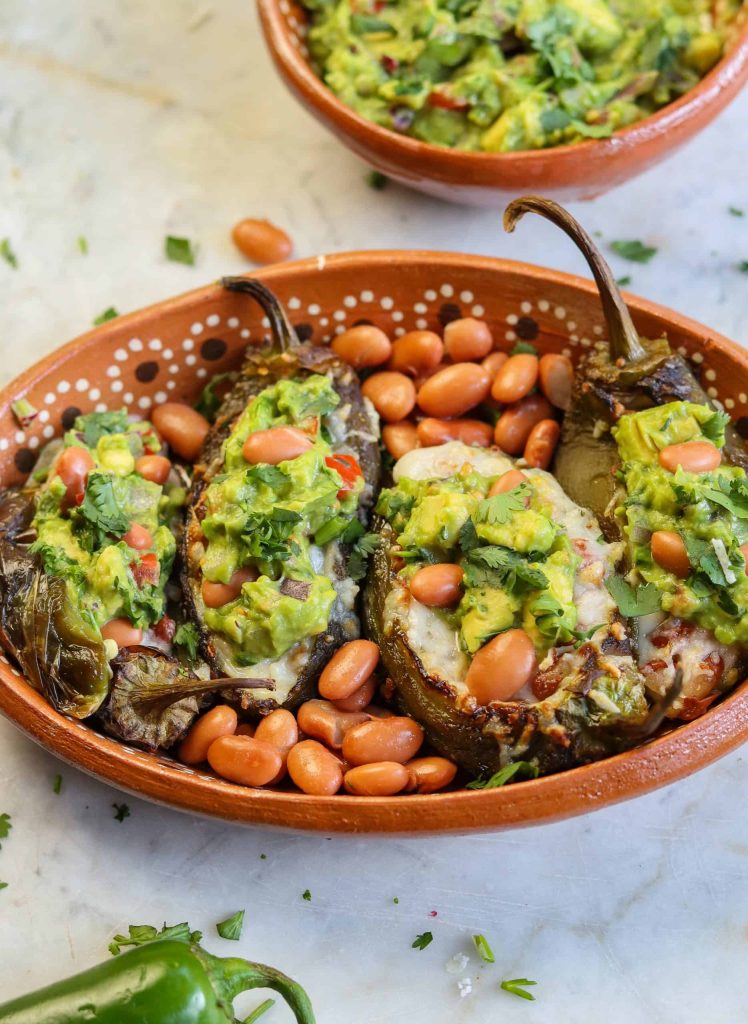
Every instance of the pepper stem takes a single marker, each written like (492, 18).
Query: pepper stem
(284, 336)
(623, 338)
(155, 695)
(233, 975)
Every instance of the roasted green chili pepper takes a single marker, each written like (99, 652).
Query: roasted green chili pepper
(163, 982)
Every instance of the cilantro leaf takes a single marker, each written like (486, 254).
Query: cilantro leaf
(421, 941)
(498, 509)
(110, 313)
(468, 537)
(267, 536)
(377, 180)
(506, 774)
(7, 254)
(306, 895)
(633, 601)
(142, 934)
(3, 885)
(121, 811)
(704, 556)
(483, 949)
(179, 250)
(270, 475)
(517, 987)
(714, 428)
(634, 250)
(101, 509)
(255, 1015)
(188, 637)
(624, 282)
(231, 928)
(582, 635)
(362, 549)
(95, 425)
(509, 570)
(5, 826)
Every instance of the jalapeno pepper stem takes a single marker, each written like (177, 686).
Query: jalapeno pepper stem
(235, 975)
(623, 339)
(284, 336)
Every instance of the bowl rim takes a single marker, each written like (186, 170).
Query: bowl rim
(669, 757)
(732, 68)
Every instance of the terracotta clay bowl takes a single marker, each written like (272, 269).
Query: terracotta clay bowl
(170, 349)
(565, 173)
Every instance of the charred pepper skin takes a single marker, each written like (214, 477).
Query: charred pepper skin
(162, 982)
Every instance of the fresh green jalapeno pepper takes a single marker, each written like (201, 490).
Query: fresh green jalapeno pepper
(163, 982)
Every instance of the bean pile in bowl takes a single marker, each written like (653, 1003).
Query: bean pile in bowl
(390, 565)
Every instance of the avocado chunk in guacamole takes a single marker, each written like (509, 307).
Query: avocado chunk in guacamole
(709, 511)
(507, 75)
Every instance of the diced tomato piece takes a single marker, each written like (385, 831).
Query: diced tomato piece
(165, 629)
(445, 102)
(147, 570)
(390, 64)
(347, 467)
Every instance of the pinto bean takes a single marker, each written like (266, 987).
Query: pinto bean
(362, 346)
(400, 438)
(122, 632)
(515, 423)
(507, 482)
(245, 760)
(314, 769)
(416, 352)
(279, 729)
(556, 377)
(516, 378)
(493, 363)
(323, 721)
(429, 774)
(155, 468)
(467, 339)
(381, 778)
(181, 427)
(348, 669)
(215, 595)
(438, 586)
(392, 394)
(502, 667)
(669, 551)
(541, 444)
(432, 431)
(384, 739)
(260, 241)
(454, 390)
(278, 444)
(138, 537)
(219, 721)
(691, 456)
(360, 699)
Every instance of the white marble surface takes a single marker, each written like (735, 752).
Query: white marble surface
(123, 122)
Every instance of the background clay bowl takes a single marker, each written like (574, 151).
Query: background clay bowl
(566, 173)
(169, 350)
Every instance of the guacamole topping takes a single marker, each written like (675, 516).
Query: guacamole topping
(519, 566)
(507, 75)
(708, 510)
(83, 541)
(279, 521)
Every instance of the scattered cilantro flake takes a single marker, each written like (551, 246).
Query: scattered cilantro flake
(499, 508)
(524, 348)
(188, 637)
(121, 811)
(258, 1011)
(517, 987)
(95, 425)
(421, 941)
(270, 475)
(57, 784)
(306, 895)
(624, 282)
(3, 885)
(142, 934)
(714, 428)
(7, 254)
(179, 250)
(83, 245)
(483, 949)
(505, 774)
(582, 635)
(743, 266)
(395, 899)
(263, 856)
(633, 601)
(736, 211)
(5, 826)
(364, 546)
(231, 928)
(377, 180)
(109, 314)
(634, 250)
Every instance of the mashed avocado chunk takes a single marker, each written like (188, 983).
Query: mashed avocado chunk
(279, 520)
(519, 567)
(83, 541)
(708, 510)
(507, 75)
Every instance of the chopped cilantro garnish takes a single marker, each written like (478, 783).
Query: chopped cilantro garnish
(188, 637)
(7, 254)
(306, 895)
(736, 211)
(142, 934)
(258, 1011)
(714, 428)
(3, 885)
(483, 949)
(395, 899)
(5, 826)
(377, 180)
(263, 856)
(505, 774)
(57, 784)
(109, 314)
(363, 547)
(83, 245)
(633, 601)
(100, 507)
(231, 928)
(270, 475)
(421, 941)
(634, 250)
(517, 987)
(624, 282)
(121, 811)
(498, 509)
(179, 250)
(95, 425)
(743, 266)
(524, 348)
